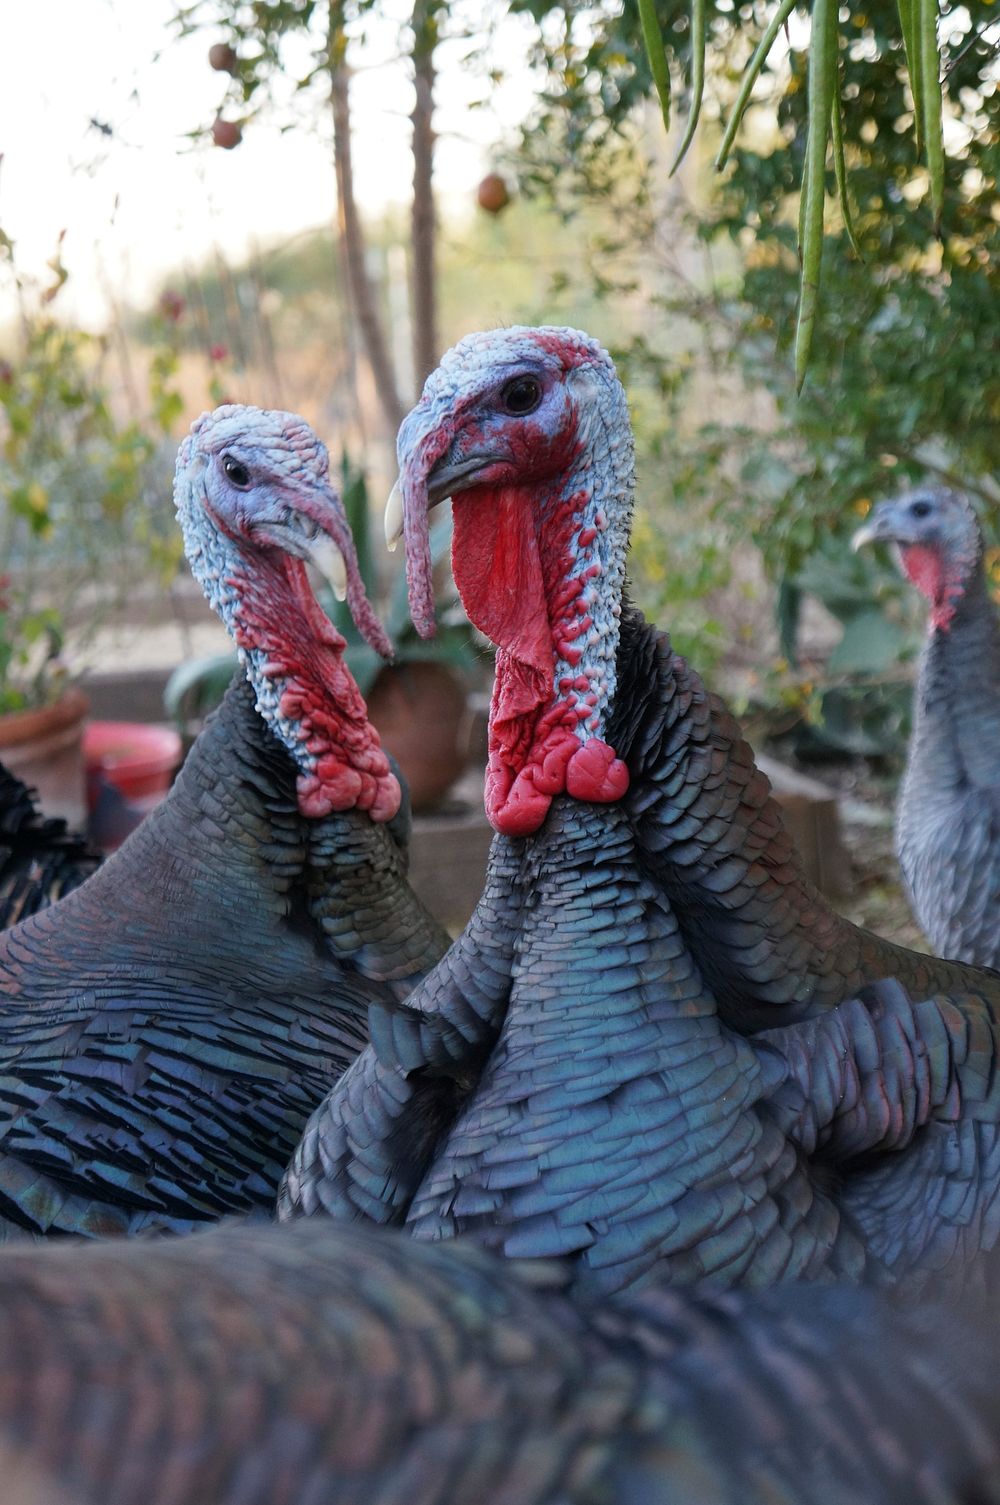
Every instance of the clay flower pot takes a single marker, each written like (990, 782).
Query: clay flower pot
(419, 710)
(130, 767)
(44, 748)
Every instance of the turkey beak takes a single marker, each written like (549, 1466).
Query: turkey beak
(394, 518)
(312, 526)
(427, 440)
(442, 483)
(882, 527)
(327, 558)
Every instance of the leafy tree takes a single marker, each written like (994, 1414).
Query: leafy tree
(904, 378)
(262, 36)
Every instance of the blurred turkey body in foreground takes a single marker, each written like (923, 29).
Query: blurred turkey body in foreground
(948, 818)
(40, 860)
(167, 1028)
(577, 1077)
(350, 1366)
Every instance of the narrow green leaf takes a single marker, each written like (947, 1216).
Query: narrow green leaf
(822, 83)
(930, 79)
(908, 26)
(840, 167)
(750, 74)
(657, 56)
(698, 37)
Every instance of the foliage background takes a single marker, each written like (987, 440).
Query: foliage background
(748, 492)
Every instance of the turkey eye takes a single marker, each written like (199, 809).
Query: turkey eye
(237, 473)
(920, 509)
(522, 395)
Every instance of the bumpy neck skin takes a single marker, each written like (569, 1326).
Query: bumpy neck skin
(293, 658)
(550, 597)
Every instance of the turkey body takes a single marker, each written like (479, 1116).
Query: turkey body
(710, 833)
(354, 1367)
(948, 814)
(563, 1085)
(656, 1050)
(40, 860)
(595, 1107)
(166, 1030)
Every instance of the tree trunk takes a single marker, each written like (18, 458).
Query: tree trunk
(359, 289)
(423, 226)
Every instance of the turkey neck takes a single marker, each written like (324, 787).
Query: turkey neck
(956, 728)
(709, 831)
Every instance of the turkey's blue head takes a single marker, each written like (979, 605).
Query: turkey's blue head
(255, 505)
(527, 431)
(937, 541)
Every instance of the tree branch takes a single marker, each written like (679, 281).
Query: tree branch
(359, 291)
(423, 226)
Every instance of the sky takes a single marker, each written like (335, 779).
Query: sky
(146, 199)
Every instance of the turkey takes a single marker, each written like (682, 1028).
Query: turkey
(167, 1028)
(948, 820)
(711, 835)
(350, 1366)
(40, 860)
(567, 1081)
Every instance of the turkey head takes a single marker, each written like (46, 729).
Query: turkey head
(255, 505)
(937, 542)
(527, 431)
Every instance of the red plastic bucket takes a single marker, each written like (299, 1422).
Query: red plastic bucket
(130, 767)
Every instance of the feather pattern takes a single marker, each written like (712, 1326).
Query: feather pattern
(354, 1367)
(166, 1029)
(605, 1113)
(712, 836)
(40, 859)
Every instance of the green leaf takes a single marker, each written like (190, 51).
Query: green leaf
(822, 83)
(698, 36)
(196, 687)
(930, 78)
(656, 54)
(749, 78)
(908, 26)
(840, 168)
(871, 644)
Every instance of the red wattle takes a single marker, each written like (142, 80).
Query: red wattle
(925, 568)
(517, 804)
(596, 773)
(318, 694)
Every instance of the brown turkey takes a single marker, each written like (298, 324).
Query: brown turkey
(167, 1028)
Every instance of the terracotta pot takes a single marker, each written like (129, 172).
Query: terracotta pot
(419, 711)
(44, 748)
(130, 767)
